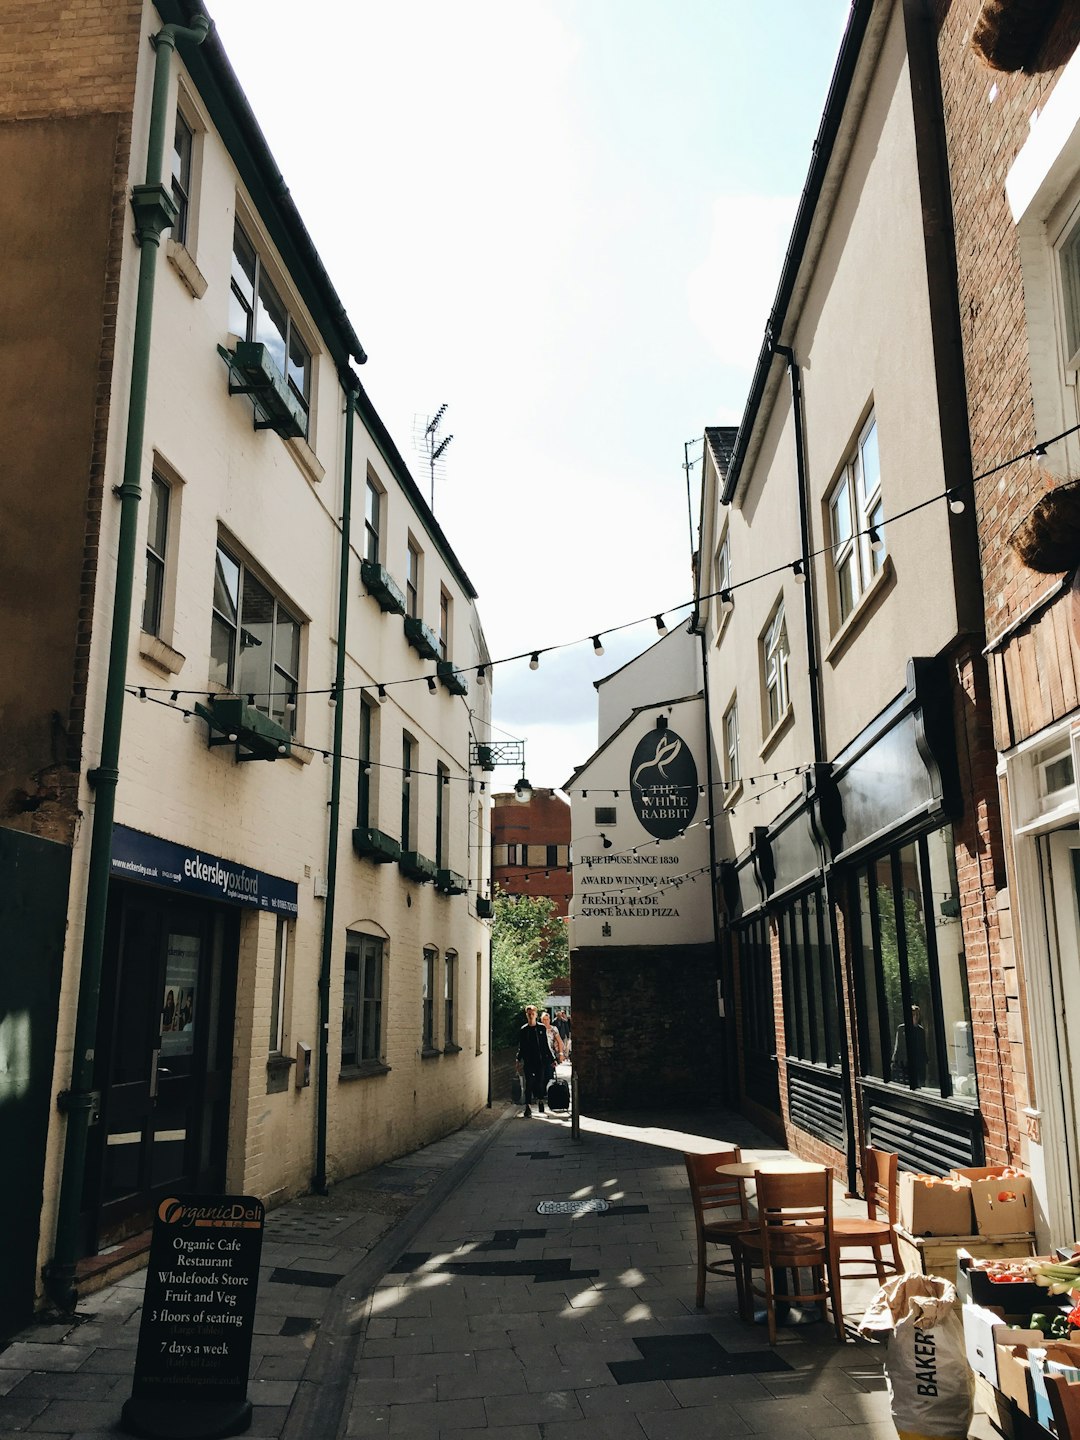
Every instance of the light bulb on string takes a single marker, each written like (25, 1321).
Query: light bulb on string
(534, 660)
(877, 544)
(597, 646)
(956, 502)
(798, 571)
(727, 601)
(661, 627)
(431, 685)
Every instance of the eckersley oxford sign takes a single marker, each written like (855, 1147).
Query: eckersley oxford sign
(663, 783)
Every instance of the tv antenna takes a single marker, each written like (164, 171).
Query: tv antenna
(428, 444)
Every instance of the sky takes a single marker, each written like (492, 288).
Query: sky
(565, 220)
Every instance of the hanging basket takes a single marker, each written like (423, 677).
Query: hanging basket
(1048, 538)
(1008, 32)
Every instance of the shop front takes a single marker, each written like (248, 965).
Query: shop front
(166, 1033)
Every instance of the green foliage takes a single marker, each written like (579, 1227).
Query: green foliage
(529, 949)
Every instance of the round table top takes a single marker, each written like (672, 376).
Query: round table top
(781, 1165)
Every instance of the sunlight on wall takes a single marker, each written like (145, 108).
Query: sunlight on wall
(14, 1056)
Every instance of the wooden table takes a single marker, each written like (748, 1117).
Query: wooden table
(747, 1169)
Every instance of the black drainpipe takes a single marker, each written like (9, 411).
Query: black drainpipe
(820, 759)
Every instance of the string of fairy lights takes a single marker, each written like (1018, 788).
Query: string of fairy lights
(755, 787)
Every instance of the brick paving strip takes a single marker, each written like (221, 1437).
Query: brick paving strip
(428, 1296)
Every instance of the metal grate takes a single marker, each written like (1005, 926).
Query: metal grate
(570, 1207)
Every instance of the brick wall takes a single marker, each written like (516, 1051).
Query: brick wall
(987, 118)
(646, 1028)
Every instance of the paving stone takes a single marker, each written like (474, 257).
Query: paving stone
(401, 1390)
(468, 1386)
(704, 1422)
(551, 1405)
(10, 1378)
(627, 1399)
(25, 1355)
(437, 1417)
(77, 1415)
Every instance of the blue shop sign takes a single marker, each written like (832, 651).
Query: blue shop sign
(136, 856)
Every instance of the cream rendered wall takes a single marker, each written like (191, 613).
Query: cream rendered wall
(279, 502)
(671, 666)
(864, 339)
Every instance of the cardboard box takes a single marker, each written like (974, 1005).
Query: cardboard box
(1014, 1376)
(1061, 1356)
(1003, 1204)
(929, 1206)
(985, 1334)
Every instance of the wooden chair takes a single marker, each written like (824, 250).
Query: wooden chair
(712, 1194)
(794, 1234)
(1064, 1396)
(876, 1231)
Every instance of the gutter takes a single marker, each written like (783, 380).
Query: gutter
(351, 386)
(155, 213)
(822, 153)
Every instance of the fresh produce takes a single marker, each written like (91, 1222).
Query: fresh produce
(1054, 1327)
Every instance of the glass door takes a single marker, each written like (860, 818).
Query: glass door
(163, 1057)
(1064, 856)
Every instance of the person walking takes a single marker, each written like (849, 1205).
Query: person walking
(535, 1059)
(562, 1025)
(554, 1040)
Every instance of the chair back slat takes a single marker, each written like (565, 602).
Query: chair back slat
(880, 1183)
(709, 1190)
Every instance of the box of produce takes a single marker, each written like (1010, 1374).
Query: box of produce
(930, 1205)
(1001, 1199)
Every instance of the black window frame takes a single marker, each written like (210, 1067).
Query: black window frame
(450, 983)
(157, 554)
(812, 1030)
(427, 998)
(251, 307)
(183, 153)
(365, 746)
(408, 757)
(362, 1037)
(373, 501)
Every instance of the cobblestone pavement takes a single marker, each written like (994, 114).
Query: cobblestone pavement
(429, 1296)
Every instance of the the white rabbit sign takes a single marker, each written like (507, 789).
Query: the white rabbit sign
(664, 783)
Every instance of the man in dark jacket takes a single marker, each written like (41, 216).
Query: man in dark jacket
(535, 1059)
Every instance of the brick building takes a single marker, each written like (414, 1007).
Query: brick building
(1010, 86)
(530, 847)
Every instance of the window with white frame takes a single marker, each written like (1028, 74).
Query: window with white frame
(774, 660)
(257, 312)
(157, 541)
(442, 786)
(855, 513)
(722, 575)
(366, 757)
(362, 1000)
(427, 997)
(1068, 253)
(183, 151)
(278, 1031)
(732, 773)
(444, 625)
(254, 640)
(408, 753)
(449, 1000)
(412, 580)
(373, 509)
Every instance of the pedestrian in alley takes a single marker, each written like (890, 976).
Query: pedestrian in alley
(535, 1060)
(562, 1025)
(554, 1041)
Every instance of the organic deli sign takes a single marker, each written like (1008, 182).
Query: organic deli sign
(663, 784)
(136, 856)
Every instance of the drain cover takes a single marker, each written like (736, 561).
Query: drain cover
(569, 1207)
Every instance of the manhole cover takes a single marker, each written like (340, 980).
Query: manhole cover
(569, 1207)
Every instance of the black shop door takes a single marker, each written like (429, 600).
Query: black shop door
(164, 1058)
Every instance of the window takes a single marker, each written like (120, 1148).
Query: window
(183, 145)
(428, 998)
(442, 783)
(732, 773)
(157, 539)
(372, 521)
(915, 1022)
(855, 507)
(758, 1013)
(809, 982)
(444, 625)
(364, 769)
(722, 576)
(361, 1012)
(408, 746)
(774, 654)
(277, 993)
(256, 312)
(1069, 266)
(449, 997)
(605, 815)
(412, 581)
(254, 641)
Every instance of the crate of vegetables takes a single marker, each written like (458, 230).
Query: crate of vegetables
(1007, 1283)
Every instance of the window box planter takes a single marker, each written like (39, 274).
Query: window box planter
(252, 372)
(421, 637)
(374, 845)
(417, 866)
(382, 586)
(453, 679)
(485, 908)
(449, 882)
(255, 735)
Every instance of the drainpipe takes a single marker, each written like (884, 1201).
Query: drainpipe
(820, 759)
(318, 1183)
(154, 213)
(713, 866)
